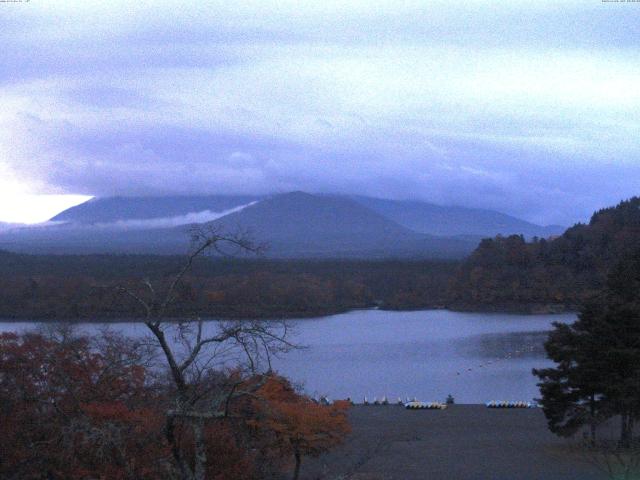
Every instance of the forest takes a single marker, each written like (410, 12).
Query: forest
(508, 273)
(81, 287)
(502, 274)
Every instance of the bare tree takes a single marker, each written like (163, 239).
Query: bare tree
(195, 352)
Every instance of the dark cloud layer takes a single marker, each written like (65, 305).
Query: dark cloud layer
(526, 107)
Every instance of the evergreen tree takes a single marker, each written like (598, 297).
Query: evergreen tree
(597, 372)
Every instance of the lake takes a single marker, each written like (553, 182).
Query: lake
(427, 354)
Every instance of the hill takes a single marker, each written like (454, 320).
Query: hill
(452, 220)
(508, 273)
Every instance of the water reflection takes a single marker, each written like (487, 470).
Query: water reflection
(500, 345)
(428, 354)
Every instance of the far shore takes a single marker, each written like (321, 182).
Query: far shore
(512, 310)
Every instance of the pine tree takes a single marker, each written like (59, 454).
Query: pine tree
(597, 372)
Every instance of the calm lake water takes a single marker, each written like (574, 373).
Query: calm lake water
(428, 354)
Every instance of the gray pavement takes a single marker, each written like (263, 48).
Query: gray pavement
(463, 442)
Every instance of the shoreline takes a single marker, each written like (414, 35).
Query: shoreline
(540, 310)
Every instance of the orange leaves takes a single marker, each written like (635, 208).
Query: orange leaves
(116, 411)
(300, 424)
(74, 411)
(82, 408)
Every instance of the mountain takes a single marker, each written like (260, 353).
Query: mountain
(71, 238)
(422, 217)
(510, 273)
(300, 224)
(4, 226)
(451, 220)
(294, 225)
(118, 209)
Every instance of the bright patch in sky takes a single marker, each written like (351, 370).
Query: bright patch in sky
(26, 208)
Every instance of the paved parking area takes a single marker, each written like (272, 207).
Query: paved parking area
(463, 442)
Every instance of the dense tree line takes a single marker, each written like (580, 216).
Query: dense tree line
(597, 371)
(559, 273)
(74, 287)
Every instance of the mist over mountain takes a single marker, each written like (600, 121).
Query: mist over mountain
(295, 224)
(113, 209)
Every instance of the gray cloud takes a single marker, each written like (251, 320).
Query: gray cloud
(521, 106)
(168, 222)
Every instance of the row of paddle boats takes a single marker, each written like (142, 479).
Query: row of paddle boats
(415, 404)
(425, 406)
(505, 404)
(441, 406)
(385, 401)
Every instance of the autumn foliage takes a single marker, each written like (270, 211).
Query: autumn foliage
(92, 408)
(73, 412)
(300, 426)
(510, 273)
(69, 287)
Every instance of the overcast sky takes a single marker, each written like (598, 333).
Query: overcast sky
(527, 107)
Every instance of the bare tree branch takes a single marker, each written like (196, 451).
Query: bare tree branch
(191, 357)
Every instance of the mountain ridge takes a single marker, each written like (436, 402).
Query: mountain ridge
(453, 220)
(301, 224)
(420, 216)
(294, 224)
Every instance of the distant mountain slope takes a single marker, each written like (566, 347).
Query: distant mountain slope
(294, 225)
(563, 272)
(450, 220)
(71, 238)
(300, 224)
(422, 217)
(113, 209)
(7, 226)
